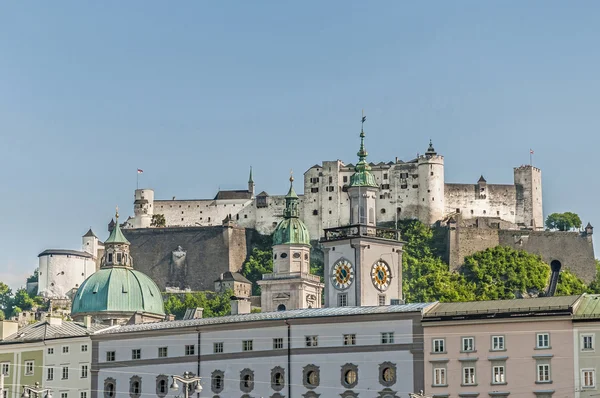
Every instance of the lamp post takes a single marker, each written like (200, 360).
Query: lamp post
(187, 379)
(27, 390)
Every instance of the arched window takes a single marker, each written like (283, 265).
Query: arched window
(277, 378)
(110, 388)
(349, 375)
(217, 381)
(162, 387)
(311, 377)
(281, 307)
(246, 380)
(135, 387)
(387, 374)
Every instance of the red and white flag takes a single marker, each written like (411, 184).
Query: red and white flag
(531, 151)
(140, 171)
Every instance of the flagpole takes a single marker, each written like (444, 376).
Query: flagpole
(137, 179)
(530, 157)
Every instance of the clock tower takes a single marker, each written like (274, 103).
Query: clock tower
(363, 263)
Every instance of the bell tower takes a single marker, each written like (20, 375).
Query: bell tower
(363, 263)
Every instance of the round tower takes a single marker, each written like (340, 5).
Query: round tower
(431, 186)
(143, 208)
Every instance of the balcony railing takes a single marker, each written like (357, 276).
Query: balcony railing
(355, 231)
(292, 275)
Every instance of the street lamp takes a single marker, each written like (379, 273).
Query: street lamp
(187, 379)
(35, 390)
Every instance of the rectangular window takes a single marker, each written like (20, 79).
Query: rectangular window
(218, 348)
(498, 343)
(312, 341)
(84, 371)
(83, 394)
(136, 353)
(277, 343)
(543, 340)
(387, 338)
(468, 376)
(314, 190)
(349, 339)
(439, 377)
(498, 375)
(247, 345)
(395, 302)
(385, 176)
(190, 349)
(84, 348)
(5, 368)
(543, 373)
(342, 299)
(50, 374)
(439, 346)
(65, 349)
(345, 178)
(110, 356)
(588, 378)
(50, 351)
(64, 395)
(381, 299)
(162, 352)
(468, 344)
(587, 342)
(29, 366)
(65, 372)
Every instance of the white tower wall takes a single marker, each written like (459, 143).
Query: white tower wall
(61, 272)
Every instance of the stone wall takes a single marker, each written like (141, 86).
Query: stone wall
(192, 257)
(574, 250)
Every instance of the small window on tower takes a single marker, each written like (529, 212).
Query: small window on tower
(119, 257)
(110, 257)
(315, 212)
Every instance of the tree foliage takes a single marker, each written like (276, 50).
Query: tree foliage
(260, 262)
(214, 304)
(569, 284)
(34, 277)
(158, 220)
(563, 221)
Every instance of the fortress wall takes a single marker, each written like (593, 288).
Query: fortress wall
(194, 212)
(210, 251)
(495, 201)
(463, 242)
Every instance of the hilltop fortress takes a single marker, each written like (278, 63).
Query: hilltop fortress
(407, 190)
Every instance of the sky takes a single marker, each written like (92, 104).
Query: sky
(196, 92)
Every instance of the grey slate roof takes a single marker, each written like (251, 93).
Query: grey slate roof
(44, 331)
(89, 233)
(233, 276)
(228, 195)
(62, 252)
(266, 316)
(502, 306)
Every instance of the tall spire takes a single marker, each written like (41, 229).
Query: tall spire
(362, 176)
(250, 180)
(116, 236)
(291, 201)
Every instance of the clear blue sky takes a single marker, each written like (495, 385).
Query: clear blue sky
(195, 92)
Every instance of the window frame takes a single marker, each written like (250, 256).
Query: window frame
(387, 337)
(190, 349)
(502, 373)
(349, 339)
(64, 374)
(381, 300)
(28, 365)
(247, 345)
(111, 356)
(539, 368)
(498, 338)
(278, 343)
(50, 373)
(218, 347)
(466, 372)
(443, 372)
(342, 299)
(163, 352)
(592, 337)
(311, 340)
(84, 348)
(438, 345)
(65, 349)
(83, 371)
(2, 365)
(472, 345)
(537, 341)
(592, 371)
(136, 353)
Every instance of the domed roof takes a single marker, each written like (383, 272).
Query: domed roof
(291, 230)
(118, 289)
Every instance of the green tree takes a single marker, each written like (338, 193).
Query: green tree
(569, 284)
(34, 277)
(594, 287)
(158, 220)
(260, 262)
(22, 301)
(503, 273)
(6, 297)
(213, 304)
(563, 221)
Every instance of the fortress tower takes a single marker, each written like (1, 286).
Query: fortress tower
(431, 186)
(143, 208)
(528, 182)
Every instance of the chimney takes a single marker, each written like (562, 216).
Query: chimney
(240, 306)
(87, 321)
(8, 328)
(193, 313)
(54, 321)
(169, 317)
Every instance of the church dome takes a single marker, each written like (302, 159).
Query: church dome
(117, 290)
(291, 230)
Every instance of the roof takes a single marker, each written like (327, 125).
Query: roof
(44, 331)
(116, 236)
(538, 304)
(279, 315)
(233, 276)
(589, 307)
(118, 289)
(481, 179)
(238, 194)
(90, 233)
(61, 252)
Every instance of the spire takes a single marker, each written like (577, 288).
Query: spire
(431, 150)
(291, 201)
(116, 236)
(250, 180)
(362, 176)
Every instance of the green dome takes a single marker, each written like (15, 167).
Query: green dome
(291, 231)
(118, 289)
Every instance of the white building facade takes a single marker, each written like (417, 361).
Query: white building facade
(300, 353)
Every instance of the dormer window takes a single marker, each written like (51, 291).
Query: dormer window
(119, 258)
(110, 258)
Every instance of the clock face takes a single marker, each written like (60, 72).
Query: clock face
(342, 274)
(381, 275)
